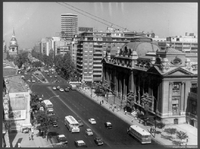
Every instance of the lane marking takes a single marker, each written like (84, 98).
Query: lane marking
(77, 115)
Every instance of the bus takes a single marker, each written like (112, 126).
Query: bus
(140, 134)
(72, 124)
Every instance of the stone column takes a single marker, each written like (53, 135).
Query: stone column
(182, 98)
(170, 98)
(124, 86)
(131, 82)
(115, 81)
(120, 84)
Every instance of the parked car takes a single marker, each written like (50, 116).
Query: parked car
(89, 132)
(92, 121)
(80, 123)
(61, 89)
(98, 141)
(58, 87)
(33, 81)
(80, 143)
(29, 80)
(55, 76)
(108, 125)
(55, 123)
(62, 139)
(50, 76)
(54, 88)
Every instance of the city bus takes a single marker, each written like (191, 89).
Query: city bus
(140, 134)
(47, 103)
(72, 124)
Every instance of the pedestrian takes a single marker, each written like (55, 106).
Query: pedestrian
(29, 135)
(32, 133)
(102, 101)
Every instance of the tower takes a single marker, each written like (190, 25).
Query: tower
(13, 48)
(69, 23)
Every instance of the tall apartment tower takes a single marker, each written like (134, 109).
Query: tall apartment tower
(69, 23)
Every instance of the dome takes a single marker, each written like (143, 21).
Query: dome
(134, 53)
(141, 48)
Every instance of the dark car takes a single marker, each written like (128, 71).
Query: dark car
(108, 125)
(62, 139)
(55, 123)
(66, 89)
(98, 141)
(58, 87)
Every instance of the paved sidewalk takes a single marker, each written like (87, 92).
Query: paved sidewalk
(191, 131)
(23, 139)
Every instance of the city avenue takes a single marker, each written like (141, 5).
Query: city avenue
(81, 107)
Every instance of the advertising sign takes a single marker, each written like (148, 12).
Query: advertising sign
(17, 114)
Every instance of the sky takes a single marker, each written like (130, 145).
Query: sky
(33, 21)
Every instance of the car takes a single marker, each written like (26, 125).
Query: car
(66, 89)
(98, 141)
(92, 121)
(89, 132)
(50, 76)
(80, 143)
(55, 76)
(80, 123)
(61, 89)
(62, 139)
(40, 99)
(108, 125)
(55, 123)
(54, 88)
(33, 81)
(58, 87)
(29, 80)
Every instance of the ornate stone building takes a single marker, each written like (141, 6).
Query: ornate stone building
(160, 78)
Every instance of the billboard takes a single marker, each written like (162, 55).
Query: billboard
(85, 29)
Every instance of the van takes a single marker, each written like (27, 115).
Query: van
(47, 104)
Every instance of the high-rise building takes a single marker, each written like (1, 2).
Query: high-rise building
(69, 23)
(91, 47)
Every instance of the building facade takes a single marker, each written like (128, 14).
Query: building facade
(91, 47)
(69, 25)
(159, 78)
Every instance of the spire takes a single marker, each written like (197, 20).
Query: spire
(13, 35)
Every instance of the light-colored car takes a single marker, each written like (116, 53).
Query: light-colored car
(89, 132)
(61, 89)
(54, 88)
(80, 143)
(92, 121)
(29, 80)
(62, 139)
(108, 125)
(50, 76)
(98, 141)
(33, 81)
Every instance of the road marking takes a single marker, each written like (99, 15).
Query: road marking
(76, 114)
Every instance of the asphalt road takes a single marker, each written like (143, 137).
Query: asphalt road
(75, 104)
(81, 107)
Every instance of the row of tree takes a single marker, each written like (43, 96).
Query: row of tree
(40, 118)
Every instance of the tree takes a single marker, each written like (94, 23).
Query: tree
(170, 130)
(45, 122)
(37, 64)
(34, 103)
(181, 135)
